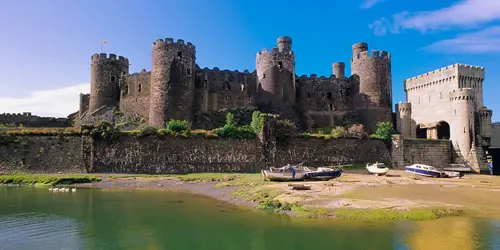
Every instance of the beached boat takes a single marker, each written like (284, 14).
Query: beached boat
(323, 173)
(425, 170)
(286, 173)
(458, 168)
(452, 174)
(377, 168)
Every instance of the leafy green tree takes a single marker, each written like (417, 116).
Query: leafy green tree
(384, 131)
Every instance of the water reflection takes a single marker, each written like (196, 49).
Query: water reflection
(103, 219)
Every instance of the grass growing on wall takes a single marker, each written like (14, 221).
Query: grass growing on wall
(40, 131)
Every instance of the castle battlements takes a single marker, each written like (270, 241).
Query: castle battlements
(449, 68)
(403, 106)
(105, 57)
(170, 42)
(382, 55)
(462, 94)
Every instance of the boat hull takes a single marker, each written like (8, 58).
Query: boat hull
(457, 169)
(282, 176)
(323, 175)
(380, 171)
(423, 172)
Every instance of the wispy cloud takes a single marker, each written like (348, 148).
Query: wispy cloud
(57, 102)
(369, 3)
(462, 14)
(484, 41)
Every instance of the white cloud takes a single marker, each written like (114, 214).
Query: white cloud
(369, 3)
(462, 14)
(54, 103)
(487, 40)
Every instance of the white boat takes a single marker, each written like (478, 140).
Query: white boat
(286, 173)
(458, 168)
(377, 168)
(425, 170)
(298, 173)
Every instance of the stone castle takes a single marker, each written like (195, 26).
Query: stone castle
(448, 104)
(177, 88)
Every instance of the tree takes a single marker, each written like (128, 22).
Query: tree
(384, 131)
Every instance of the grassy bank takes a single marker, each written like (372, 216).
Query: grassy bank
(49, 180)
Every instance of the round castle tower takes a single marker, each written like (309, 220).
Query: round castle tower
(276, 73)
(403, 119)
(172, 81)
(462, 127)
(339, 69)
(375, 84)
(105, 78)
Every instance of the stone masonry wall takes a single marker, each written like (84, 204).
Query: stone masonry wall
(41, 154)
(318, 152)
(437, 153)
(130, 154)
(176, 155)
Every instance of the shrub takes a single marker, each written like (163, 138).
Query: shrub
(177, 126)
(384, 131)
(103, 130)
(357, 131)
(257, 123)
(339, 132)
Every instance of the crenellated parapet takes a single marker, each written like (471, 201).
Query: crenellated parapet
(105, 58)
(403, 107)
(465, 95)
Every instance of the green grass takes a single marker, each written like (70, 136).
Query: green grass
(418, 214)
(25, 179)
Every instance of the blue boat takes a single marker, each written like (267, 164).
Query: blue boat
(323, 173)
(425, 170)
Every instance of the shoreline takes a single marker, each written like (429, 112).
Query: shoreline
(355, 195)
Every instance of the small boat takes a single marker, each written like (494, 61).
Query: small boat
(323, 173)
(453, 174)
(286, 173)
(377, 168)
(425, 170)
(458, 168)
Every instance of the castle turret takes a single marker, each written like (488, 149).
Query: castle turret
(485, 120)
(172, 81)
(403, 120)
(339, 69)
(372, 75)
(462, 127)
(276, 74)
(105, 78)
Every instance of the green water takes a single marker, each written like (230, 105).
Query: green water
(34, 218)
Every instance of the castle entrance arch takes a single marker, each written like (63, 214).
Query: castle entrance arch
(443, 130)
(421, 131)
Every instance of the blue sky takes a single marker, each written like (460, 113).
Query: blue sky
(46, 45)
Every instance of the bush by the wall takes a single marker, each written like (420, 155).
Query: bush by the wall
(177, 126)
(384, 131)
(339, 132)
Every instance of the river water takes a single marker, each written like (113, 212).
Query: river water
(34, 218)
